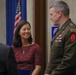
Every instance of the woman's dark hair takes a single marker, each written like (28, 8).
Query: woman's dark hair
(17, 39)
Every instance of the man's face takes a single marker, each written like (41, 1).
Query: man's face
(54, 16)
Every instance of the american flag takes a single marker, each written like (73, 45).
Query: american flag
(18, 15)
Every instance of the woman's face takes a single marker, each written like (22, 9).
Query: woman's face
(25, 31)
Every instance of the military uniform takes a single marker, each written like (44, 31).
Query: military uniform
(63, 51)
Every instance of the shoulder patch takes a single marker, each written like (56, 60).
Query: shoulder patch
(73, 30)
(72, 37)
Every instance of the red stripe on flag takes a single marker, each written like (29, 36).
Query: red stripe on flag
(18, 15)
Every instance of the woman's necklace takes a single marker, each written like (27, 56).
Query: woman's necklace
(23, 52)
(24, 48)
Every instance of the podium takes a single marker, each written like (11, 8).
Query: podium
(24, 72)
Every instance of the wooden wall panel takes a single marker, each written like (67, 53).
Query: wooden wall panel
(40, 28)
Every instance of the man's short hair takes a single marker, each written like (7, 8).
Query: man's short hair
(62, 6)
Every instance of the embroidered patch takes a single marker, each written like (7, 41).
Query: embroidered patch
(73, 30)
(72, 37)
(73, 34)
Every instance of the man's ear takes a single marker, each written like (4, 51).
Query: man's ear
(59, 13)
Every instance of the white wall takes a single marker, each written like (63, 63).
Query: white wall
(2, 21)
(72, 5)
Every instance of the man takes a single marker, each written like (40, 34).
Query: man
(63, 45)
(7, 61)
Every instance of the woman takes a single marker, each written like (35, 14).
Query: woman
(28, 54)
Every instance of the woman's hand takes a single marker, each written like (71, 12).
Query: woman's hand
(36, 70)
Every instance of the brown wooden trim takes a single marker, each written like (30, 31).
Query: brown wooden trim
(40, 27)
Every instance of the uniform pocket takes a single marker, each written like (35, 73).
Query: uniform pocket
(57, 48)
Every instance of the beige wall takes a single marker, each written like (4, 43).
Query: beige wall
(2, 21)
(30, 15)
(72, 5)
